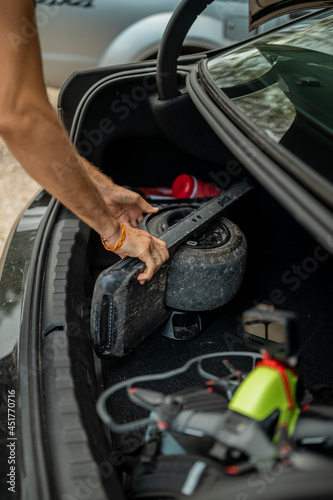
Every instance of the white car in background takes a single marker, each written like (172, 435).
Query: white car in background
(82, 34)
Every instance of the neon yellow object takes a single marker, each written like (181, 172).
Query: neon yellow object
(270, 387)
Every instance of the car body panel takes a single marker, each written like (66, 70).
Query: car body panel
(15, 269)
(206, 33)
(75, 37)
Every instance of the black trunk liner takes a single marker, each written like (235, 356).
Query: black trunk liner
(222, 332)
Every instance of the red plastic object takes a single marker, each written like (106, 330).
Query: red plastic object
(156, 193)
(188, 186)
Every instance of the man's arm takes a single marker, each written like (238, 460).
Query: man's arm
(33, 133)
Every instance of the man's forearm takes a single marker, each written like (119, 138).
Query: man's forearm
(101, 181)
(43, 149)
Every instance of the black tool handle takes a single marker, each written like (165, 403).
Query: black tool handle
(200, 219)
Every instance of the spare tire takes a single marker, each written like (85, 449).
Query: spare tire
(207, 270)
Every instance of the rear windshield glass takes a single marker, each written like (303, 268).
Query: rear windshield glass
(284, 84)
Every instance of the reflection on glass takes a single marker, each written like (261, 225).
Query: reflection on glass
(248, 63)
(283, 82)
(270, 109)
(238, 67)
(271, 331)
(276, 332)
(257, 329)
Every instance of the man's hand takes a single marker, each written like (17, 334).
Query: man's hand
(126, 205)
(123, 203)
(129, 208)
(150, 250)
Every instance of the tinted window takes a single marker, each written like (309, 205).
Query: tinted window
(284, 84)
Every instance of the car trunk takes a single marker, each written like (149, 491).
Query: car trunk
(129, 134)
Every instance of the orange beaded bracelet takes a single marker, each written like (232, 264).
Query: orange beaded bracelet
(120, 242)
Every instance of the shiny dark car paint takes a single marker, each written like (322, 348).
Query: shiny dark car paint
(15, 268)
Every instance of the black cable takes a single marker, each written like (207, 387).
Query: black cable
(128, 384)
